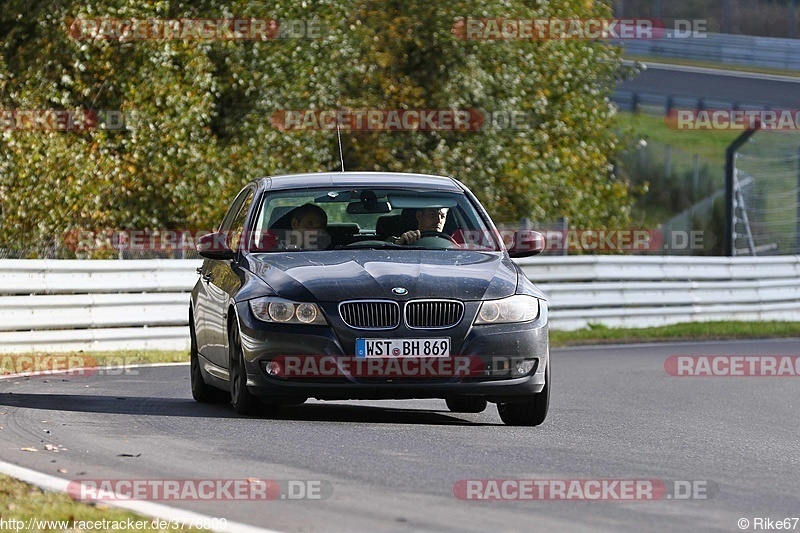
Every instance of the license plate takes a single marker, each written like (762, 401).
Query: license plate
(403, 347)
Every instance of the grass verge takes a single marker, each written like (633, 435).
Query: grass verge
(691, 331)
(32, 362)
(24, 507)
(710, 145)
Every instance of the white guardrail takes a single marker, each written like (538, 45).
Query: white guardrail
(65, 305)
(61, 306)
(769, 52)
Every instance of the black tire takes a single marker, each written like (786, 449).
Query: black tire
(243, 401)
(202, 391)
(531, 412)
(466, 404)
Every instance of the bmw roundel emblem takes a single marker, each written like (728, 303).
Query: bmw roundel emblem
(400, 291)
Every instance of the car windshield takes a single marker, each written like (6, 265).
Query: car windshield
(369, 218)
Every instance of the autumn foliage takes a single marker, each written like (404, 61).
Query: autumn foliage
(199, 114)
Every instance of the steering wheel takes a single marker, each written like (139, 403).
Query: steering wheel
(438, 234)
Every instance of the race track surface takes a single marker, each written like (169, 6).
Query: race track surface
(615, 414)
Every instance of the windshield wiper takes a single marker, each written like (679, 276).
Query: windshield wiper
(380, 246)
(367, 245)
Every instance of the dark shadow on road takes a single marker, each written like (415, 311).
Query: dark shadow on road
(143, 406)
(367, 413)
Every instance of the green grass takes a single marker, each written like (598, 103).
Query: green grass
(28, 362)
(20, 501)
(709, 145)
(713, 65)
(692, 331)
(771, 157)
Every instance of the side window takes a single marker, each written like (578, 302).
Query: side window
(233, 210)
(235, 226)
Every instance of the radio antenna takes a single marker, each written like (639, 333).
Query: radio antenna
(339, 136)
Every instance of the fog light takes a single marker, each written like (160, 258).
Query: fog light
(524, 366)
(273, 368)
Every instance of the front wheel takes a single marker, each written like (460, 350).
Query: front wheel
(243, 401)
(202, 391)
(531, 412)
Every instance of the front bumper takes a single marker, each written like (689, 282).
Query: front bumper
(493, 349)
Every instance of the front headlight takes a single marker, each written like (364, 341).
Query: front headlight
(519, 308)
(280, 311)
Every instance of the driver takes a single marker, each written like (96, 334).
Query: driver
(309, 228)
(429, 219)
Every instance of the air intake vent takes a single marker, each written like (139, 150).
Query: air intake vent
(433, 314)
(370, 314)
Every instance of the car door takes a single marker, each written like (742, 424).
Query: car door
(204, 311)
(223, 280)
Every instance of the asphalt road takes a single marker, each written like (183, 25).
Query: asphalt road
(779, 92)
(615, 414)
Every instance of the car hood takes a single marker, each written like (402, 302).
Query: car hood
(332, 276)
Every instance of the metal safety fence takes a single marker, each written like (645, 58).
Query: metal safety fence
(65, 306)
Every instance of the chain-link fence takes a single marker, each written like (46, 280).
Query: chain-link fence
(766, 195)
(680, 195)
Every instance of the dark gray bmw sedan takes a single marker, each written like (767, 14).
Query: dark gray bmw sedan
(360, 285)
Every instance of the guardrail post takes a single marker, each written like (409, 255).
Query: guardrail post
(730, 173)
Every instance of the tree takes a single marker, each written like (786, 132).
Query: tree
(559, 166)
(199, 112)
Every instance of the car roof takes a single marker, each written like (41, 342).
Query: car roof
(360, 179)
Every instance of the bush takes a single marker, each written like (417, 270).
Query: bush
(202, 112)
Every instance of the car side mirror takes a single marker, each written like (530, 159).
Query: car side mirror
(526, 243)
(214, 246)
